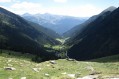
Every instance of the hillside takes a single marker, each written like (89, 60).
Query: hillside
(31, 51)
(18, 34)
(46, 31)
(99, 39)
(79, 28)
(58, 23)
(19, 66)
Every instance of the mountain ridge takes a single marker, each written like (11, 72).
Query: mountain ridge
(19, 35)
(78, 28)
(58, 23)
(98, 39)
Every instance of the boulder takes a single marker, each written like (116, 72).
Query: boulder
(9, 68)
(23, 77)
(69, 59)
(79, 73)
(10, 65)
(35, 69)
(94, 73)
(46, 74)
(48, 65)
(89, 77)
(89, 68)
(9, 60)
(64, 73)
(71, 75)
(52, 62)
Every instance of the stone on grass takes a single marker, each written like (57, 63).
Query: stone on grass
(69, 59)
(52, 62)
(15, 61)
(89, 68)
(110, 77)
(89, 77)
(94, 73)
(9, 68)
(10, 65)
(23, 77)
(46, 74)
(35, 69)
(87, 62)
(79, 73)
(64, 73)
(9, 60)
(39, 68)
(48, 65)
(71, 75)
(38, 65)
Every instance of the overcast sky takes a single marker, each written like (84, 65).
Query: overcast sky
(78, 8)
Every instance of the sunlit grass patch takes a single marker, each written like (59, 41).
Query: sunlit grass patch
(25, 67)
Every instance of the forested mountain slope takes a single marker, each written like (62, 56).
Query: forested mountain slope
(77, 29)
(20, 35)
(100, 38)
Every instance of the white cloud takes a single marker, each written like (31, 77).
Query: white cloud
(25, 5)
(61, 1)
(78, 11)
(3, 1)
(29, 7)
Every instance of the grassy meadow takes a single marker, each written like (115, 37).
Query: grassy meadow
(27, 69)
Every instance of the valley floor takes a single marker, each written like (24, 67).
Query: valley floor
(21, 67)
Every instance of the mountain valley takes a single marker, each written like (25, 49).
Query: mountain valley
(57, 23)
(47, 46)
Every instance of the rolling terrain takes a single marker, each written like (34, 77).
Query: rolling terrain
(22, 67)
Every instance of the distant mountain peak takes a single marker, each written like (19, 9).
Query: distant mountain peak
(111, 8)
(47, 13)
(58, 23)
(26, 14)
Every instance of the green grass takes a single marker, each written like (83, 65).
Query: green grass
(47, 46)
(114, 58)
(24, 67)
(18, 55)
(62, 40)
(57, 47)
